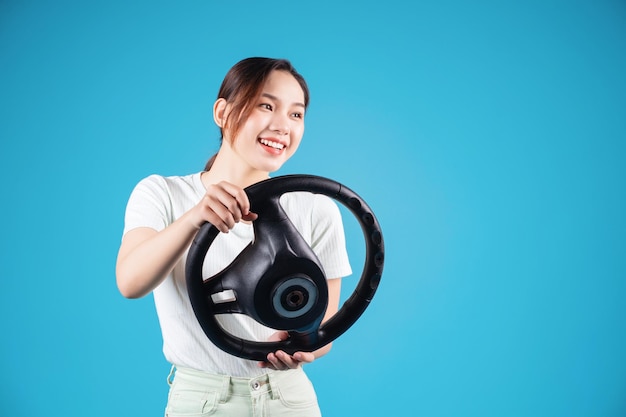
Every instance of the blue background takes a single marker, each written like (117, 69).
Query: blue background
(487, 136)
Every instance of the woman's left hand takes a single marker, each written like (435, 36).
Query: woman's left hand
(280, 360)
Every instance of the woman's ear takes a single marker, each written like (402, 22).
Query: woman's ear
(219, 112)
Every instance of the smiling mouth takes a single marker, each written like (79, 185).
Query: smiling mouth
(272, 144)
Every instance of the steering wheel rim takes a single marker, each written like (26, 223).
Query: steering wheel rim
(298, 275)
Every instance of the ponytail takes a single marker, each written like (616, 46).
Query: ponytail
(210, 162)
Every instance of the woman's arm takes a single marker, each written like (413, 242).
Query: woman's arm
(146, 256)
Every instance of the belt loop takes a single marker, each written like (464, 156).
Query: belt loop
(170, 377)
(272, 379)
(225, 391)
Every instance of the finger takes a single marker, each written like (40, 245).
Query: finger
(223, 206)
(292, 362)
(274, 362)
(278, 336)
(250, 217)
(240, 196)
(304, 357)
(226, 204)
(287, 360)
(215, 213)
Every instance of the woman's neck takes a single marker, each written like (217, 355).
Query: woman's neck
(227, 167)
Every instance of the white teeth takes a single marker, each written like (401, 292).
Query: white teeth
(274, 145)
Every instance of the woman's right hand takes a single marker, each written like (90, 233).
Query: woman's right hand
(223, 205)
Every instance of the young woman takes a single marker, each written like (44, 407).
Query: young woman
(260, 112)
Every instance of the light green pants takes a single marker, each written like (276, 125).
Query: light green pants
(276, 394)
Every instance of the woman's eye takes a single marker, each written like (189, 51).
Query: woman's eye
(266, 106)
(298, 115)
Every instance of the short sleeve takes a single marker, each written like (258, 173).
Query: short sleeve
(327, 237)
(148, 205)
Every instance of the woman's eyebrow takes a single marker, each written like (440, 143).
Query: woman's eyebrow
(273, 97)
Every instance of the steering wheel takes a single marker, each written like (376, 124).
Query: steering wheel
(277, 279)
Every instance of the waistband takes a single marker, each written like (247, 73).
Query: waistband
(229, 385)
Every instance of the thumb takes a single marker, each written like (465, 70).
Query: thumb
(250, 216)
(279, 336)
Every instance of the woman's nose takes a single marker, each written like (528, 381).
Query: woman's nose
(280, 124)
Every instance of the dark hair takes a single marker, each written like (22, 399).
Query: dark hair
(242, 85)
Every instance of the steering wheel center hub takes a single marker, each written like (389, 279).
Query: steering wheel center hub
(294, 297)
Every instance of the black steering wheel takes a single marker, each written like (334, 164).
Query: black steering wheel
(277, 279)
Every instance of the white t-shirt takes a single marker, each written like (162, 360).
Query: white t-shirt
(158, 201)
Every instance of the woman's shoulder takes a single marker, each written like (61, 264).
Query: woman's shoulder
(170, 179)
(306, 202)
(306, 198)
(171, 183)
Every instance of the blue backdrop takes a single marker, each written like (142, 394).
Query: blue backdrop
(487, 136)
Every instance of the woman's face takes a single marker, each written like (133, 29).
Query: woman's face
(274, 129)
